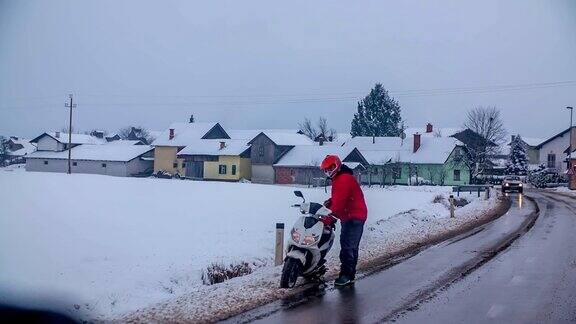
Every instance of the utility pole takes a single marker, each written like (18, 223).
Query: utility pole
(70, 105)
(570, 169)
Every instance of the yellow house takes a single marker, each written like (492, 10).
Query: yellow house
(179, 136)
(224, 160)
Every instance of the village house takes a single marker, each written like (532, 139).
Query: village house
(219, 159)
(412, 161)
(58, 141)
(89, 154)
(301, 164)
(268, 147)
(18, 149)
(553, 152)
(177, 137)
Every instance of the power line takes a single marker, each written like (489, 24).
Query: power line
(322, 98)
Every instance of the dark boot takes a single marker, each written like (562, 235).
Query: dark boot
(343, 280)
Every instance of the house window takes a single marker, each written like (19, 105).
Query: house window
(103, 165)
(456, 175)
(183, 164)
(551, 160)
(45, 162)
(175, 165)
(75, 163)
(234, 169)
(260, 150)
(222, 169)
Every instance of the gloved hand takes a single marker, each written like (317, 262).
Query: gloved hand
(328, 220)
(328, 203)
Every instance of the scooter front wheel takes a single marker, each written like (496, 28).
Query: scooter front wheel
(290, 273)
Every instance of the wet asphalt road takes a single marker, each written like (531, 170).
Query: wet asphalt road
(477, 277)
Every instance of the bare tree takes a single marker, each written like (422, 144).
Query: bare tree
(136, 133)
(487, 122)
(308, 129)
(321, 128)
(324, 129)
(3, 150)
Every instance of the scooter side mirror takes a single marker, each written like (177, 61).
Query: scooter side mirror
(298, 193)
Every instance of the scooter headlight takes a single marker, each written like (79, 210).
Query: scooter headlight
(295, 235)
(310, 239)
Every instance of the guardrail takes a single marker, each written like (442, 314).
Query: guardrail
(473, 188)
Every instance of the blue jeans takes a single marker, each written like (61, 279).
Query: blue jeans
(349, 241)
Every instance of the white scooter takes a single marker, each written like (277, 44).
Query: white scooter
(309, 242)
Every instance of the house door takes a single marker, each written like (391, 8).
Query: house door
(195, 170)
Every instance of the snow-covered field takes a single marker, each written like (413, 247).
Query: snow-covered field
(104, 246)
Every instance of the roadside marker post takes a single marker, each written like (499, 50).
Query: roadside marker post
(279, 250)
(451, 206)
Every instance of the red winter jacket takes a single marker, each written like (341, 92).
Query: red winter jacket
(347, 202)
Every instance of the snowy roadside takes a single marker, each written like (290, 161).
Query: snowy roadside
(384, 237)
(106, 248)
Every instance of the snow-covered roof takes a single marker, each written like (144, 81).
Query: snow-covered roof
(243, 134)
(212, 147)
(380, 150)
(532, 141)
(288, 137)
(436, 132)
(368, 143)
(307, 155)
(433, 150)
(26, 149)
(184, 133)
(120, 153)
(76, 138)
(125, 142)
(380, 157)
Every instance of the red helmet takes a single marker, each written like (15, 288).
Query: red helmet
(331, 165)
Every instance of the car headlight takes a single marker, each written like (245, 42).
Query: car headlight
(310, 239)
(520, 185)
(507, 184)
(295, 235)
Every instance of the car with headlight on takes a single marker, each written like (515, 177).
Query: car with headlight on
(512, 183)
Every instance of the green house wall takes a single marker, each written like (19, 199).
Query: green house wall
(430, 172)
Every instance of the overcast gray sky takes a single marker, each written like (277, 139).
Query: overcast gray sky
(268, 64)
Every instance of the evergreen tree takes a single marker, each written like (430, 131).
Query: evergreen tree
(377, 115)
(517, 163)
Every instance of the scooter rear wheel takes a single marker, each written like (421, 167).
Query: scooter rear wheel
(290, 273)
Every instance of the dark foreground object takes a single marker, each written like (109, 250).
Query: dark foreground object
(10, 314)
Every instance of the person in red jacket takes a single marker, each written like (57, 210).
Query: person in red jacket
(347, 204)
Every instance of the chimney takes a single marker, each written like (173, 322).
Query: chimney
(171, 136)
(191, 120)
(429, 128)
(222, 145)
(417, 141)
(57, 134)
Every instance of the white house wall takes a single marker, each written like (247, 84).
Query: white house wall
(118, 169)
(47, 143)
(557, 146)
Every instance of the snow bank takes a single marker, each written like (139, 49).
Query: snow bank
(105, 246)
